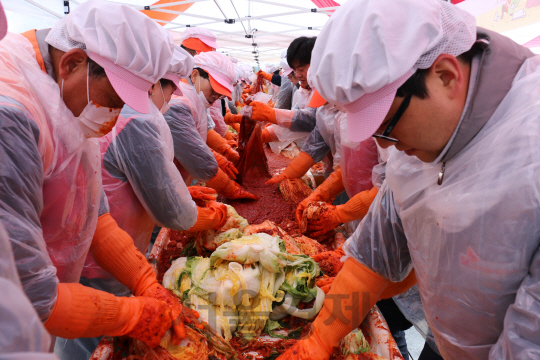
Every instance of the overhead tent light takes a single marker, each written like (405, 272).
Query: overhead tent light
(229, 21)
(66, 7)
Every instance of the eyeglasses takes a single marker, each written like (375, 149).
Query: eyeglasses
(215, 95)
(399, 113)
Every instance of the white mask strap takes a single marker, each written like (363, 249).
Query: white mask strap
(87, 82)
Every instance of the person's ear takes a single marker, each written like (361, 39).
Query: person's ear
(449, 75)
(72, 61)
(151, 90)
(194, 75)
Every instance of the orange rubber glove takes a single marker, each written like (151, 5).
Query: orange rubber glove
(230, 118)
(236, 127)
(396, 288)
(244, 97)
(354, 292)
(228, 136)
(268, 135)
(85, 312)
(220, 145)
(356, 208)
(296, 169)
(263, 112)
(213, 216)
(202, 193)
(247, 90)
(265, 75)
(228, 188)
(225, 165)
(113, 250)
(237, 104)
(327, 191)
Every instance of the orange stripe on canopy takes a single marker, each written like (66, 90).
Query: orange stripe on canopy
(158, 15)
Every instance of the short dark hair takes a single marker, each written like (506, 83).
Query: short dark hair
(416, 84)
(166, 82)
(203, 73)
(299, 51)
(190, 51)
(94, 70)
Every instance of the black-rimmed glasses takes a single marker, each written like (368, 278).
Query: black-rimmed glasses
(385, 134)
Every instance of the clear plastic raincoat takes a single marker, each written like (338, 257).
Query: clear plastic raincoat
(357, 160)
(23, 335)
(294, 125)
(474, 239)
(142, 184)
(50, 181)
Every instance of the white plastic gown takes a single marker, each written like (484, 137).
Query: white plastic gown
(50, 181)
(188, 127)
(294, 125)
(23, 335)
(474, 239)
(142, 184)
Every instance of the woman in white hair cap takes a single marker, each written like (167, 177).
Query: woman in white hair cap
(59, 88)
(460, 202)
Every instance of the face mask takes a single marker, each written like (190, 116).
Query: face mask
(202, 97)
(95, 120)
(165, 107)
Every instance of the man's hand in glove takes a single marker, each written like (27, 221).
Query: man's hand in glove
(235, 191)
(225, 165)
(212, 216)
(231, 155)
(326, 222)
(202, 193)
(158, 292)
(265, 75)
(232, 143)
(263, 112)
(232, 118)
(277, 179)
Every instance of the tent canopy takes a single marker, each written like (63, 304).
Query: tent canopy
(258, 31)
(249, 30)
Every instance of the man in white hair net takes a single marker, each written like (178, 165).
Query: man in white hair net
(60, 88)
(460, 202)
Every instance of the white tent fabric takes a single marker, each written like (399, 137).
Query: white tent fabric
(272, 23)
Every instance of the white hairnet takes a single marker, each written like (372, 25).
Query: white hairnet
(205, 35)
(118, 33)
